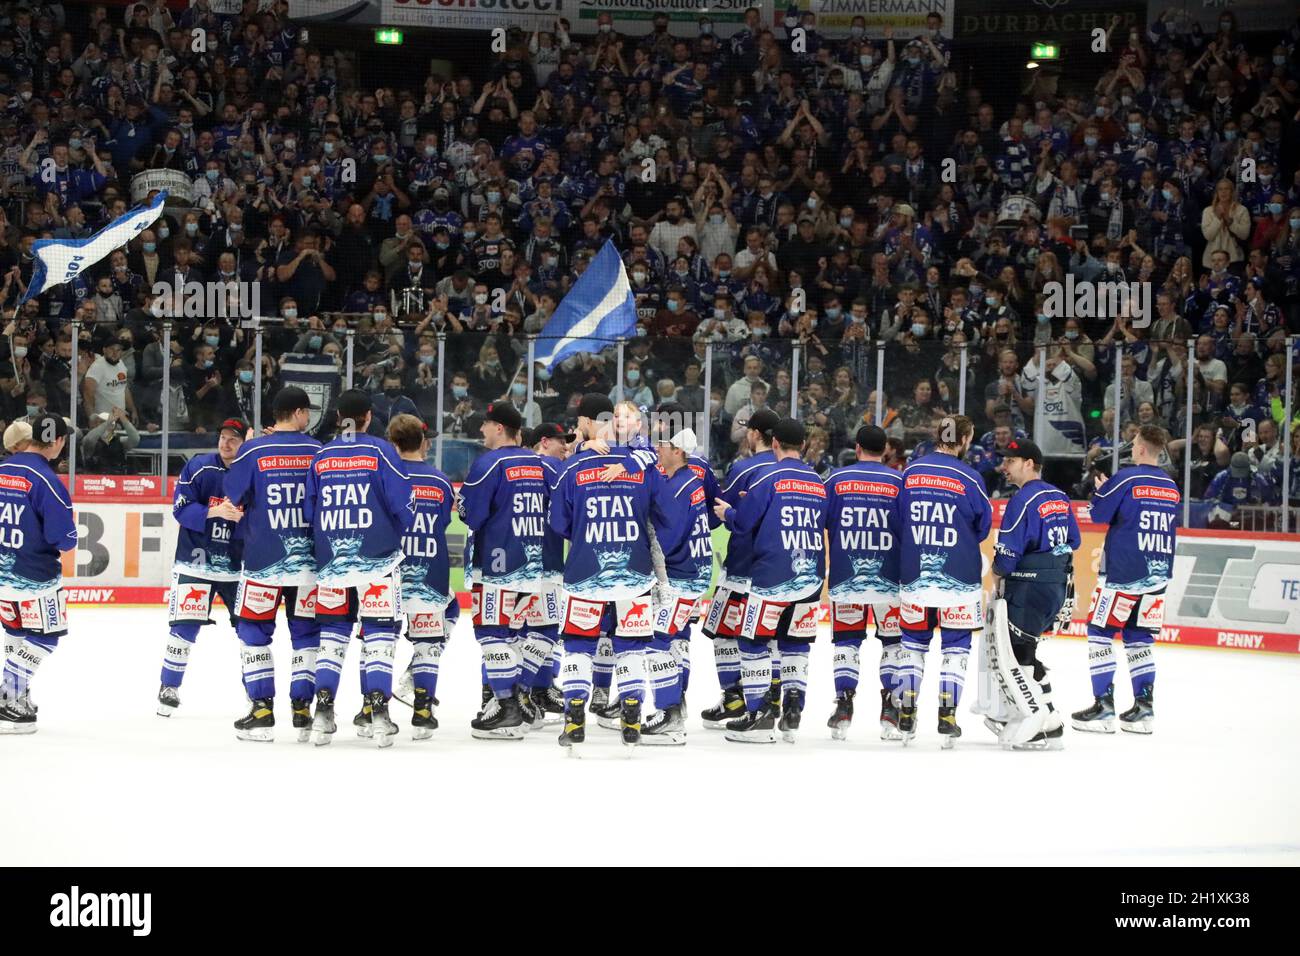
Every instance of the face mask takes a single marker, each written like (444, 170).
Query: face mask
(74, 143)
(812, 202)
(213, 340)
(494, 197)
(866, 59)
(1090, 141)
(313, 342)
(724, 274)
(150, 246)
(470, 235)
(913, 60)
(638, 278)
(1099, 112)
(846, 222)
(1265, 178)
(1126, 100)
(1112, 267)
(164, 232)
(328, 147)
(716, 218)
(207, 363)
(381, 158)
(246, 376)
(33, 411)
(459, 392)
(1135, 128)
(719, 313)
(1279, 61)
(481, 298)
(20, 351)
(1294, 223)
(1043, 319)
(1071, 334)
(1105, 197)
(834, 312)
(212, 175)
(236, 227)
(918, 330)
(673, 305)
(1167, 194)
(976, 291)
(990, 300)
(791, 22)
(1275, 208)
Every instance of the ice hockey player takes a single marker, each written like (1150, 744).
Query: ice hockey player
(945, 515)
(36, 526)
(683, 535)
(783, 513)
(209, 553)
(268, 480)
(1140, 504)
(1033, 564)
(503, 502)
(358, 499)
(431, 608)
(540, 652)
(607, 525)
(727, 609)
(862, 529)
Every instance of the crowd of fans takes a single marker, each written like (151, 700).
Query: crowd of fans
(852, 199)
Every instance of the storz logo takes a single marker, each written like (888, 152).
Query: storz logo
(99, 910)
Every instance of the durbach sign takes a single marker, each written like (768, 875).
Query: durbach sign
(1047, 20)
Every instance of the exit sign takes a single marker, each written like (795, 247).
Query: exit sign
(1045, 51)
(389, 37)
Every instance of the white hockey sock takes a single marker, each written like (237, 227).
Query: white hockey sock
(575, 675)
(911, 669)
(425, 656)
(23, 661)
(663, 669)
(604, 662)
(303, 666)
(502, 662)
(952, 676)
(845, 665)
(176, 654)
(534, 653)
(794, 671)
(1141, 662)
(378, 652)
(889, 664)
(630, 673)
(726, 657)
(258, 664)
(755, 676)
(329, 660)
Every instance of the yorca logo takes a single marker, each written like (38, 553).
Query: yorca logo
(1099, 299)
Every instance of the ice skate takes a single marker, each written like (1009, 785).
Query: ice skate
(575, 724)
(322, 724)
(259, 723)
(168, 701)
(1099, 718)
(1051, 737)
(302, 719)
(423, 722)
(501, 720)
(362, 720)
(843, 716)
(907, 717)
(609, 716)
(888, 717)
(791, 715)
(533, 718)
(599, 699)
(549, 704)
(382, 728)
(948, 728)
(729, 708)
(406, 683)
(17, 716)
(630, 720)
(664, 728)
(1140, 718)
(755, 727)
(483, 700)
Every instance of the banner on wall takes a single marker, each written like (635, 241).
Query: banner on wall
(631, 17)
(907, 17)
(1024, 21)
(365, 12)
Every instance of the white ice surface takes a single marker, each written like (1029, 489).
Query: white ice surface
(106, 782)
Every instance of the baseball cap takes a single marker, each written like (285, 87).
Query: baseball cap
(594, 404)
(684, 439)
(1024, 448)
(16, 434)
(503, 413)
(551, 430)
(788, 431)
(763, 421)
(1239, 465)
(903, 209)
(354, 403)
(290, 399)
(48, 427)
(871, 438)
(237, 425)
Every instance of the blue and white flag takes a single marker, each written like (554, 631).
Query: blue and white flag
(62, 260)
(316, 375)
(599, 309)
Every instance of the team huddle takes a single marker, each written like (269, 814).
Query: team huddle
(588, 560)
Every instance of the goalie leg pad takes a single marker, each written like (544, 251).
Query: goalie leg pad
(1023, 695)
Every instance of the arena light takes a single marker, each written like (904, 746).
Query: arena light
(388, 37)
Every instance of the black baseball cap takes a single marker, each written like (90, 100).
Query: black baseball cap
(594, 404)
(48, 427)
(789, 432)
(871, 438)
(290, 399)
(354, 403)
(550, 430)
(236, 425)
(763, 421)
(503, 413)
(1023, 448)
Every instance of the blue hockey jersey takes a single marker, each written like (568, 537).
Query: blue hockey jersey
(606, 525)
(503, 502)
(358, 501)
(740, 551)
(552, 542)
(268, 479)
(783, 512)
(36, 524)
(704, 471)
(863, 527)
(683, 530)
(1140, 503)
(208, 548)
(945, 514)
(426, 568)
(1039, 519)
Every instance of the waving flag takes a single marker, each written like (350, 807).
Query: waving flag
(599, 309)
(62, 260)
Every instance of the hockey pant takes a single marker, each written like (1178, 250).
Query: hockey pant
(957, 626)
(669, 657)
(189, 608)
(633, 627)
(773, 642)
(32, 628)
(722, 626)
(256, 605)
(377, 606)
(1134, 618)
(508, 623)
(427, 631)
(537, 622)
(849, 623)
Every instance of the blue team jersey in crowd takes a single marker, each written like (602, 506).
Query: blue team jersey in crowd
(426, 567)
(552, 542)
(783, 514)
(684, 532)
(268, 479)
(35, 526)
(740, 552)
(1039, 519)
(503, 502)
(945, 515)
(606, 525)
(358, 501)
(863, 527)
(704, 471)
(208, 548)
(1140, 503)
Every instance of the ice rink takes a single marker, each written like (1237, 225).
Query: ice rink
(106, 782)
